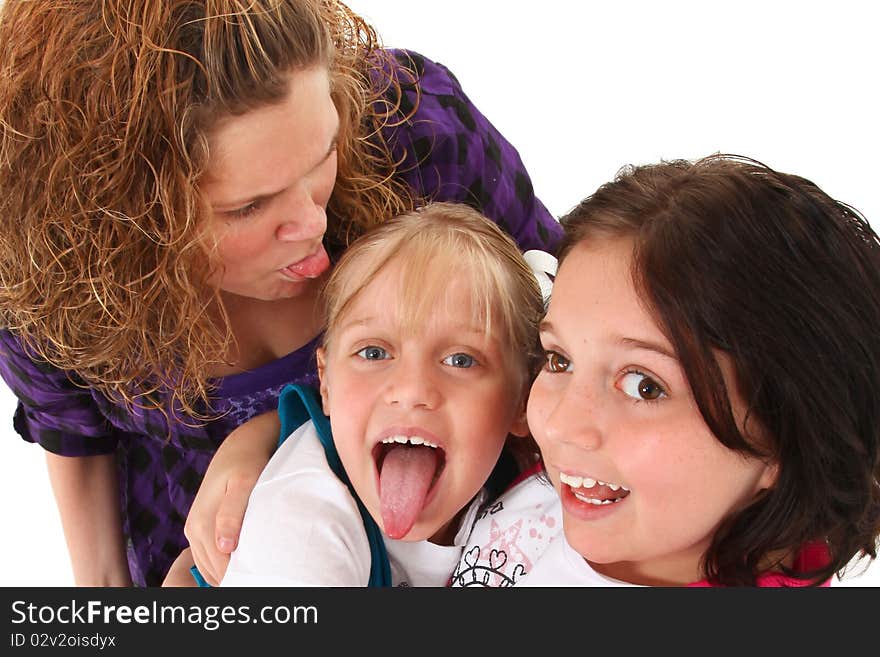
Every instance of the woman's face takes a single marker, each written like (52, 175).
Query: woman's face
(643, 481)
(269, 177)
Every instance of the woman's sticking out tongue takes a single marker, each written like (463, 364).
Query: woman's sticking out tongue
(404, 481)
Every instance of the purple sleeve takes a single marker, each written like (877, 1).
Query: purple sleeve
(52, 411)
(452, 153)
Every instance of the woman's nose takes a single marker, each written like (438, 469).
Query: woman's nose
(303, 221)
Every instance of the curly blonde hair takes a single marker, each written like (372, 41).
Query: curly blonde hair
(105, 107)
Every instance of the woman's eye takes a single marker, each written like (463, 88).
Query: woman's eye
(556, 362)
(245, 211)
(373, 353)
(460, 360)
(641, 386)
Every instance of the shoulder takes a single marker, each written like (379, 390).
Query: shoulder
(20, 363)
(431, 98)
(431, 76)
(302, 526)
(529, 507)
(511, 535)
(413, 71)
(532, 492)
(301, 454)
(297, 481)
(561, 565)
(446, 149)
(55, 409)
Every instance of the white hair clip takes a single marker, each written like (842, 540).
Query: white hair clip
(544, 268)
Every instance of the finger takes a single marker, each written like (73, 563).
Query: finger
(220, 563)
(230, 513)
(199, 547)
(204, 561)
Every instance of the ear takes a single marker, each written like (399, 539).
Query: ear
(321, 357)
(769, 476)
(520, 425)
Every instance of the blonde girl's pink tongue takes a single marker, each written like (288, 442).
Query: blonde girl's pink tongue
(404, 482)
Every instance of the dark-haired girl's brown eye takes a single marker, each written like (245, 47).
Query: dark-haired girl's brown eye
(642, 387)
(556, 362)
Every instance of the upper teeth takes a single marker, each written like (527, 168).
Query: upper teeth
(412, 440)
(586, 482)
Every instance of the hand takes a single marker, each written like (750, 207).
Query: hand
(215, 518)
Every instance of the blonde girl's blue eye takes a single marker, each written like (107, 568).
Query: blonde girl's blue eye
(556, 363)
(641, 387)
(460, 360)
(373, 353)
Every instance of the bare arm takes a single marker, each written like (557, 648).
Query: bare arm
(215, 518)
(87, 494)
(179, 574)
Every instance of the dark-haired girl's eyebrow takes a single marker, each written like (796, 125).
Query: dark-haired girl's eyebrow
(663, 350)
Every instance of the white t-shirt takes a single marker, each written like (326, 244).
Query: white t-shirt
(510, 535)
(302, 527)
(519, 541)
(560, 565)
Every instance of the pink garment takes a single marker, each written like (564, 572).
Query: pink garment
(812, 556)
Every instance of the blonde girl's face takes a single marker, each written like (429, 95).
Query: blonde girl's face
(642, 480)
(270, 175)
(419, 417)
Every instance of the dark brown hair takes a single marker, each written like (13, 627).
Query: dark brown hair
(732, 256)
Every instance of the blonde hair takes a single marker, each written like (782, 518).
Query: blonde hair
(429, 246)
(105, 108)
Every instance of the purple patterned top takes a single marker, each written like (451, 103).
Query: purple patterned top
(452, 153)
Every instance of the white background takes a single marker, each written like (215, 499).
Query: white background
(581, 88)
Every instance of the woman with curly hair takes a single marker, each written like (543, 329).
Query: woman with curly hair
(176, 179)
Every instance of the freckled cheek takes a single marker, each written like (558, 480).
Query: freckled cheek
(239, 246)
(671, 465)
(537, 411)
(648, 460)
(231, 256)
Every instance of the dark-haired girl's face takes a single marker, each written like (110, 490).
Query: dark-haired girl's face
(643, 481)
